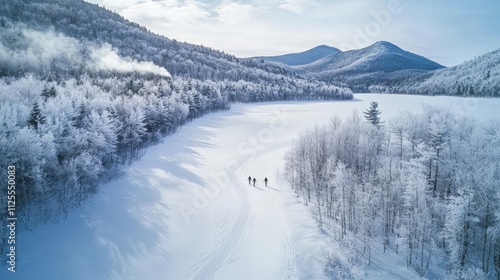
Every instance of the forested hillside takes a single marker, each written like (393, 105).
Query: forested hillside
(83, 91)
(477, 77)
(422, 185)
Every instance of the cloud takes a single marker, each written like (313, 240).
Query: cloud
(231, 12)
(117, 6)
(296, 6)
(170, 11)
(105, 58)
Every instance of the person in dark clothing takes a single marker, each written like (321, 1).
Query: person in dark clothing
(254, 180)
(265, 181)
(249, 180)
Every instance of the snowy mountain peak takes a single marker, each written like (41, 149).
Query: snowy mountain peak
(384, 46)
(323, 48)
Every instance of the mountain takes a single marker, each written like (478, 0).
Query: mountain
(477, 77)
(302, 58)
(377, 64)
(381, 56)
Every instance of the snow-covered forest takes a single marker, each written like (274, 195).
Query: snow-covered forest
(422, 185)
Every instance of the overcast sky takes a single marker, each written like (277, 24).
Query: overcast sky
(446, 31)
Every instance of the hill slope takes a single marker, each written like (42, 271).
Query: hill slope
(302, 58)
(477, 77)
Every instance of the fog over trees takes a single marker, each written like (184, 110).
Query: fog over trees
(423, 185)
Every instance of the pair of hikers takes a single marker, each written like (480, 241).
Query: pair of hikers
(255, 180)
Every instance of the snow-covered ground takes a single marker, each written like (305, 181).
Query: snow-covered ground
(185, 210)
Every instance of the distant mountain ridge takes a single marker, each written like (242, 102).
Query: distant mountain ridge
(381, 56)
(302, 58)
(379, 64)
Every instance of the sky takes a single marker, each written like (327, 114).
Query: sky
(446, 31)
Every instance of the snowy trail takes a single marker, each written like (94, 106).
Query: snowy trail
(186, 211)
(230, 241)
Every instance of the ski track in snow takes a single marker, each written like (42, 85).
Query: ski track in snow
(286, 270)
(228, 243)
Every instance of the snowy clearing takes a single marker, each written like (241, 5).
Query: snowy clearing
(186, 210)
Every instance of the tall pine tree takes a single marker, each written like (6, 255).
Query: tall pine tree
(372, 114)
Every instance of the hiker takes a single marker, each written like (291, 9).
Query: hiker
(249, 180)
(254, 180)
(265, 181)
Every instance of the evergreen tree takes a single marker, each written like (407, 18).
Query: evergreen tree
(36, 117)
(372, 114)
(48, 92)
(82, 113)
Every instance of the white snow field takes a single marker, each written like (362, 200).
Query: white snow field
(185, 210)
